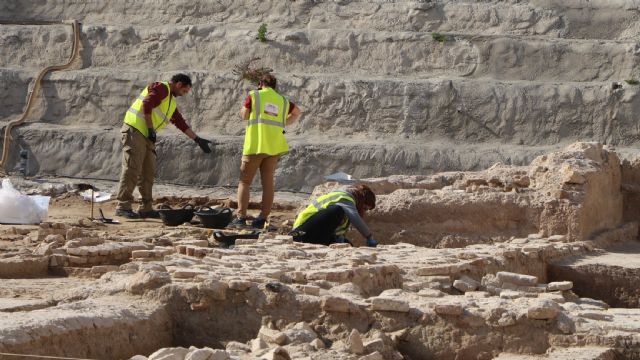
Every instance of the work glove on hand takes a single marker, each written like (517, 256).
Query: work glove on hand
(152, 135)
(203, 143)
(371, 242)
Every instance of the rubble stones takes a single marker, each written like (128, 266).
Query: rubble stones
(389, 304)
(542, 310)
(517, 279)
(355, 342)
(177, 353)
(336, 304)
(449, 309)
(465, 284)
(559, 286)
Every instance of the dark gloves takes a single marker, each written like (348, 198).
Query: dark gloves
(203, 143)
(152, 135)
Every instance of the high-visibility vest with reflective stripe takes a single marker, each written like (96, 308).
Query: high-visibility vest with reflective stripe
(323, 202)
(160, 115)
(264, 133)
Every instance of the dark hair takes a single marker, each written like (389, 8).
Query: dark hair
(363, 196)
(181, 78)
(269, 80)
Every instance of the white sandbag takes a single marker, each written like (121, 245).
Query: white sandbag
(17, 208)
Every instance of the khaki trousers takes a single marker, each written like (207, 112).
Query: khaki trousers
(250, 165)
(138, 168)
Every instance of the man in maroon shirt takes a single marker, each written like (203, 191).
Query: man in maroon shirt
(148, 114)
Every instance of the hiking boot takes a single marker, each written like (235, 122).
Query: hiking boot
(258, 223)
(127, 213)
(371, 243)
(238, 223)
(152, 214)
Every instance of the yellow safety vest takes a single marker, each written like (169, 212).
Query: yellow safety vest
(264, 133)
(160, 115)
(322, 202)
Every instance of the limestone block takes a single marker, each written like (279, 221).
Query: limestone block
(80, 251)
(273, 336)
(57, 260)
(300, 334)
(373, 356)
(311, 290)
(85, 241)
(559, 286)
(518, 279)
(557, 238)
(594, 315)
(465, 284)
(449, 309)
(207, 354)
(340, 246)
(187, 273)
(557, 297)
(240, 242)
(193, 242)
(477, 294)
(543, 309)
(77, 260)
(234, 346)
(336, 304)
(593, 303)
(374, 345)
(434, 270)
(511, 294)
(258, 344)
(571, 176)
(278, 353)
(74, 233)
(239, 285)
(176, 353)
(432, 293)
(44, 249)
(54, 238)
(136, 246)
(101, 269)
(286, 239)
(415, 286)
(140, 254)
(317, 344)
(389, 304)
(354, 342)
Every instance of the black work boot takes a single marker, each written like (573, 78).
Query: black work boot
(127, 213)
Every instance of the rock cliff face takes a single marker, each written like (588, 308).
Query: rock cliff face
(403, 87)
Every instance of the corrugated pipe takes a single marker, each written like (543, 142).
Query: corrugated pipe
(36, 86)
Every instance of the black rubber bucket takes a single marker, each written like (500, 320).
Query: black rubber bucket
(175, 217)
(214, 218)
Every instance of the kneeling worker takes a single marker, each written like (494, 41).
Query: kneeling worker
(327, 218)
(149, 113)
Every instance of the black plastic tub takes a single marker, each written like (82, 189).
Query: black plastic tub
(175, 217)
(214, 218)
